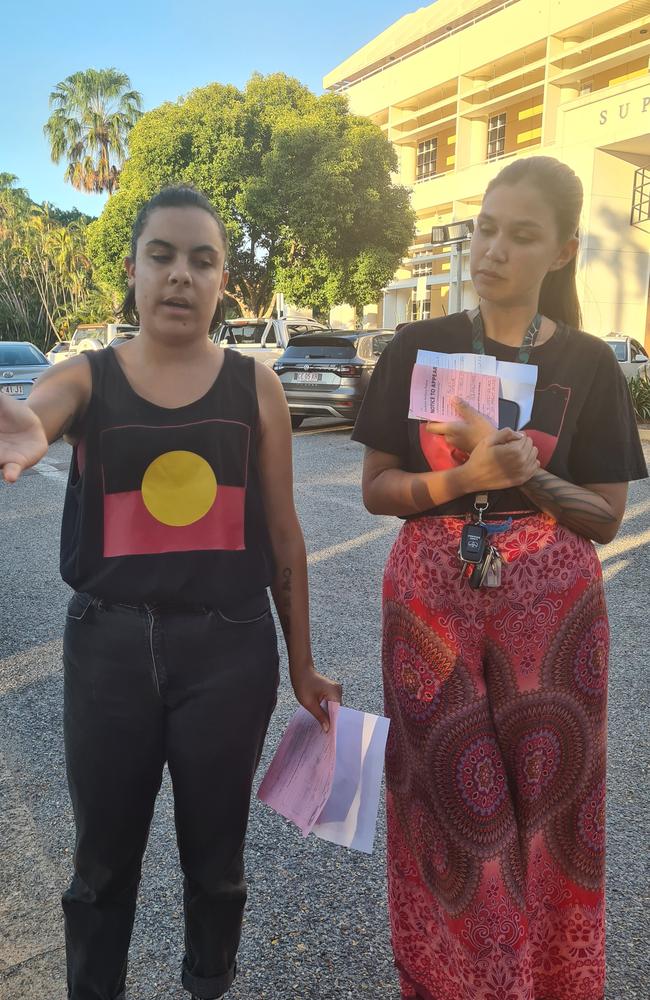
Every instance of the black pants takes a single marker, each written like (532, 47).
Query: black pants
(145, 686)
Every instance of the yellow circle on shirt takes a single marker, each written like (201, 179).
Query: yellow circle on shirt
(179, 488)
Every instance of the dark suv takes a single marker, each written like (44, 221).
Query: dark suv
(326, 374)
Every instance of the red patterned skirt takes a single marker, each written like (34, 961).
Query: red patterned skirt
(496, 766)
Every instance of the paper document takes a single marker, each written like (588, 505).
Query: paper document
(517, 381)
(329, 784)
(482, 364)
(298, 782)
(433, 391)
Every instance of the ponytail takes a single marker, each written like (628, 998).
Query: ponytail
(558, 297)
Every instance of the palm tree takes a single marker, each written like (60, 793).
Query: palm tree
(94, 111)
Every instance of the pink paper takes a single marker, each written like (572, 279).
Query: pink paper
(299, 781)
(433, 389)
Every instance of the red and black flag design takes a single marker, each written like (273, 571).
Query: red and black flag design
(545, 427)
(174, 489)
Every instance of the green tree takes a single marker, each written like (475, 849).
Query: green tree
(46, 280)
(93, 112)
(303, 186)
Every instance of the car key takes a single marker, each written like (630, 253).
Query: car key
(473, 543)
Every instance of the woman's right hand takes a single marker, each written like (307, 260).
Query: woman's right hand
(22, 438)
(502, 460)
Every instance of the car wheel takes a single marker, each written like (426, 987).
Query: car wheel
(296, 421)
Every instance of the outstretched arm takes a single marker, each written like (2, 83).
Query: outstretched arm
(55, 404)
(290, 587)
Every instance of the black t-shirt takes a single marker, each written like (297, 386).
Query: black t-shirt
(165, 506)
(582, 422)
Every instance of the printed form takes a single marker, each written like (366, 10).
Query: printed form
(515, 381)
(329, 784)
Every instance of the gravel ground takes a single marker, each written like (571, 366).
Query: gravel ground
(316, 924)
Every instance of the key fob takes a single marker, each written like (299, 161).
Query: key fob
(473, 543)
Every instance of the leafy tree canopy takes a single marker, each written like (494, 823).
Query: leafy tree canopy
(93, 112)
(303, 186)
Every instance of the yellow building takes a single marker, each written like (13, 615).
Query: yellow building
(462, 86)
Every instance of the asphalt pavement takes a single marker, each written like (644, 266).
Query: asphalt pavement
(316, 926)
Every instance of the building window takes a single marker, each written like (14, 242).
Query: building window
(420, 310)
(422, 270)
(427, 153)
(496, 136)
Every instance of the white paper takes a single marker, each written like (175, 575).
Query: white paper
(349, 817)
(518, 381)
(330, 785)
(480, 364)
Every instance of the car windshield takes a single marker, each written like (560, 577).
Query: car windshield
(619, 349)
(16, 355)
(89, 331)
(251, 333)
(60, 347)
(295, 329)
(317, 346)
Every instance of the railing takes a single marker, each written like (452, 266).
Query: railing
(439, 37)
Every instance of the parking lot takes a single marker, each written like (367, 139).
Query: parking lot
(316, 925)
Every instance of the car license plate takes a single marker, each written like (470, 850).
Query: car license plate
(308, 376)
(12, 389)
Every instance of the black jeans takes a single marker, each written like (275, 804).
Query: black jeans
(145, 686)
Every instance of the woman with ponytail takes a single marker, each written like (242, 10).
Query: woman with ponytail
(495, 630)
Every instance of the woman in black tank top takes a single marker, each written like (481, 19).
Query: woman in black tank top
(178, 516)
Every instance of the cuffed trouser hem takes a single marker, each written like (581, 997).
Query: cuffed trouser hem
(208, 989)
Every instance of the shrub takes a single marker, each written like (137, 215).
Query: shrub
(640, 392)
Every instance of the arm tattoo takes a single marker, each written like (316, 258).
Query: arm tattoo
(583, 511)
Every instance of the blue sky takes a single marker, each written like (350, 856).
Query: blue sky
(167, 49)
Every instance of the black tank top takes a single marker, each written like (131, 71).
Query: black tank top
(164, 506)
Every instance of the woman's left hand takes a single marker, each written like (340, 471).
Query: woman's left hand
(466, 432)
(311, 688)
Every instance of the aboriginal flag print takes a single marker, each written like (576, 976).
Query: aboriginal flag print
(174, 489)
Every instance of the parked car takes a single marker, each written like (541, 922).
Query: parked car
(59, 352)
(326, 374)
(633, 357)
(264, 339)
(20, 365)
(122, 338)
(95, 336)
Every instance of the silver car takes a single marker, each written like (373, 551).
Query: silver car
(20, 365)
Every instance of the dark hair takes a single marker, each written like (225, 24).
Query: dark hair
(562, 190)
(175, 196)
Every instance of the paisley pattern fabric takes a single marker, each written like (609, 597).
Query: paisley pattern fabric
(496, 766)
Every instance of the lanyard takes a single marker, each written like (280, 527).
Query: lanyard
(481, 502)
(530, 337)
